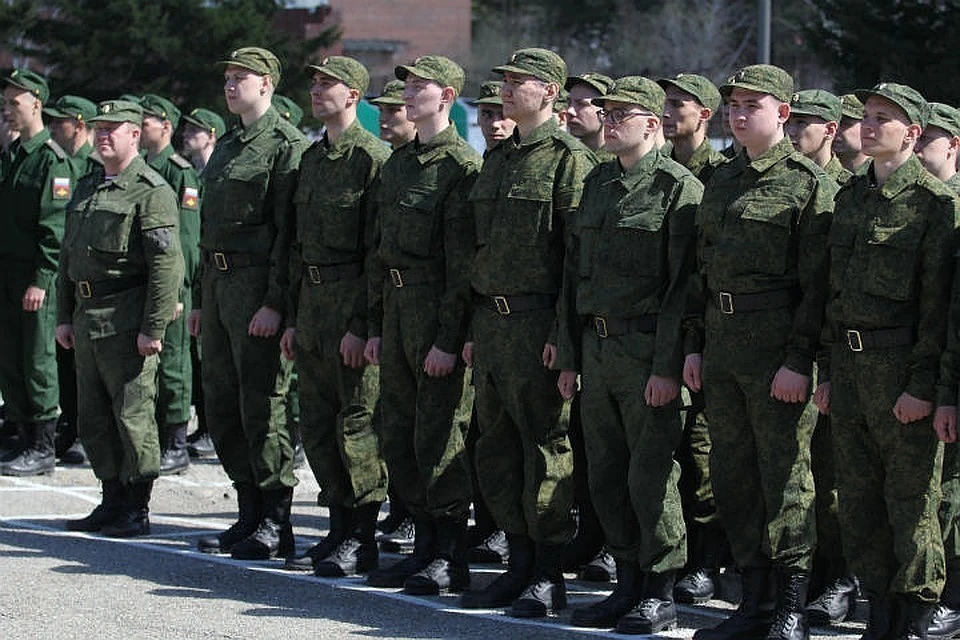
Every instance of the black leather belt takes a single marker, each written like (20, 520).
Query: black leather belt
(87, 289)
(225, 261)
(505, 305)
(730, 303)
(322, 274)
(608, 327)
(407, 277)
(870, 339)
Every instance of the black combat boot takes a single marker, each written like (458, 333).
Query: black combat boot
(175, 458)
(340, 520)
(396, 517)
(603, 568)
(491, 550)
(449, 570)
(509, 585)
(424, 551)
(881, 618)
(699, 582)
(946, 617)
(911, 618)
(752, 619)
(13, 440)
(358, 552)
(837, 603)
(134, 519)
(790, 618)
(111, 506)
(547, 592)
(274, 534)
(625, 596)
(656, 610)
(588, 541)
(38, 457)
(249, 507)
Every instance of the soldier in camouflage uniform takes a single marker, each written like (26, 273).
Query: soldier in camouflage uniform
(523, 199)
(328, 320)
(120, 273)
(395, 129)
(891, 261)
(629, 260)
(583, 121)
(245, 238)
(493, 125)
(847, 145)
(763, 227)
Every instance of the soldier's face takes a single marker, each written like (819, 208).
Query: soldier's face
(936, 149)
(19, 107)
(395, 128)
(682, 114)
(626, 126)
(195, 139)
(423, 98)
(329, 96)
(885, 128)
(523, 95)
(847, 142)
(582, 119)
(243, 89)
(63, 131)
(493, 125)
(116, 142)
(809, 134)
(756, 118)
(151, 134)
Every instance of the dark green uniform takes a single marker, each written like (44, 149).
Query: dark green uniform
(84, 160)
(334, 228)
(420, 295)
(120, 274)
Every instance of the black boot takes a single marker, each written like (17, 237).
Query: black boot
(588, 541)
(449, 570)
(424, 550)
(911, 619)
(249, 507)
(200, 445)
(12, 441)
(38, 457)
(946, 618)
(174, 458)
(274, 534)
(656, 610)
(752, 619)
(110, 507)
(357, 553)
(547, 592)
(340, 520)
(881, 618)
(837, 603)
(606, 613)
(491, 550)
(699, 582)
(134, 520)
(398, 514)
(790, 619)
(603, 568)
(509, 585)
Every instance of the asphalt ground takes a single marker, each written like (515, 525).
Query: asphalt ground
(60, 584)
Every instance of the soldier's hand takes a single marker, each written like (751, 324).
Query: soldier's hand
(945, 423)
(33, 298)
(352, 348)
(910, 409)
(550, 356)
(372, 351)
(265, 323)
(790, 386)
(692, 367)
(193, 323)
(286, 343)
(567, 384)
(467, 353)
(177, 311)
(439, 363)
(821, 398)
(660, 391)
(65, 335)
(148, 346)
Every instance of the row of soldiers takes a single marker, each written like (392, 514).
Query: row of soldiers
(605, 269)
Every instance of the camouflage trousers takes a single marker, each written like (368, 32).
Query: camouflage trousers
(630, 447)
(950, 507)
(117, 394)
(829, 554)
(524, 461)
(693, 454)
(888, 476)
(175, 378)
(245, 382)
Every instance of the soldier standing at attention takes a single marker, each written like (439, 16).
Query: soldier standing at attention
(524, 197)
(847, 145)
(175, 391)
(493, 125)
(121, 271)
(38, 180)
(630, 258)
(762, 247)
(327, 324)
(395, 128)
(583, 120)
(245, 239)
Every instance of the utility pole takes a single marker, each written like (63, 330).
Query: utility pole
(763, 31)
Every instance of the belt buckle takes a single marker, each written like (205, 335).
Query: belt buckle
(397, 278)
(314, 272)
(220, 261)
(84, 287)
(503, 307)
(854, 340)
(600, 324)
(726, 302)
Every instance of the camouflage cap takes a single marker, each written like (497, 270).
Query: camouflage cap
(762, 78)
(702, 90)
(852, 107)
(945, 117)
(29, 81)
(440, 69)
(71, 107)
(392, 94)
(119, 111)
(635, 90)
(207, 120)
(347, 70)
(287, 108)
(129, 97)
(490, 93)
(542, 64)
(817, 103)
(160, 107)
(592, 79)
(907, 98)
(257, 59)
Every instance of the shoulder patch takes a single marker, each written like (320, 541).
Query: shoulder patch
(190, 199)
(57, 149)
(153, 178)
(180, 161)
(61, 188)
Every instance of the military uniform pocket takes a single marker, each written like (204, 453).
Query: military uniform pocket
(530, 211)
(341, 221)
(890, 256)
(246, 190)
(110, 228)
(417, 219)
(636, 243)
(766, 229)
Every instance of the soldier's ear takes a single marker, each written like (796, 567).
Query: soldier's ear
(913, 133)
(783, 112)
(448, 95)
(831, 129)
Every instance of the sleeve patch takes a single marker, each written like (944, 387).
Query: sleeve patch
(160, 237)
(62, 189)
(191, 198)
